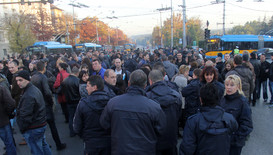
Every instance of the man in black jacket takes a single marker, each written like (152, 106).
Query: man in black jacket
(257, 68)
(264, 76)
(86, 121)
(41, 82)
(70, 88)
(208, 131)
(135, 120)
(271, 80)
(110, 80)
(170, 102)
(31, 115)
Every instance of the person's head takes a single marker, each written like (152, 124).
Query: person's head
(229, 65)
(233, 84)
(262, 57)
(155, 76)
(75, 71)
(164, 58)
(84, 67)
(118, 63)
(160, 66)
(62, 66)
(32, 65)
(237, 60)
(40, 66)
(194, 64)
(245, 57)
(209, 95)
(196, 73)
(146, 56)
(83, 75)
(184, 69)
(179, 56)
(94, 83)
(138, 78)
(13, 66)
(226, 56)
(110, 77)
(253, 55)
(22, 78)
(209, 63)
(96, 64)
(208, 74)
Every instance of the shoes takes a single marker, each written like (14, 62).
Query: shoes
(23, 142)
(265, 100)
(61, 147)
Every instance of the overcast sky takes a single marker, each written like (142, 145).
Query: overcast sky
(140, 16)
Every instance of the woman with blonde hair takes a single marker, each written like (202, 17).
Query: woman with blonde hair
(181, 79)
(235, 103)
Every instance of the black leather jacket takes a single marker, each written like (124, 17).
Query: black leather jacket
(31, 111)
(41, 82)
(70, 88)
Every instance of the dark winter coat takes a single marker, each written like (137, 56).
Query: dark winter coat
(171, 69)
(191, 94)
(271, 72)
(208, 132)
(31, 111)
(110, 90)
(86, 121)
(238, 106)
(70, 88)
(7, 106)
(257, 67)
(135, 122)
(170, 102)
(264, 71)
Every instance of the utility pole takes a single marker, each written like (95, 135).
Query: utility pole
(160, 11)
(171, 25)
(78, 5)
(97, 31)
(224, 17)
(184, 24)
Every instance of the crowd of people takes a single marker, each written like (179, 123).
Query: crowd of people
(137, 102)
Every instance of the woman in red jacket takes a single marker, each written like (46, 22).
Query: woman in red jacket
(60, 77)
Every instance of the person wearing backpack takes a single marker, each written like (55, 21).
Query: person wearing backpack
(208, 131)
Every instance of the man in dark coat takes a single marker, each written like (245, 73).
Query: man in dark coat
(245, 75)
(170, 102)
(70, 88)
(208, 131)
(135, 120)
(41, 82)
(264, 74)
(110, 80)
(7, 106)
(257, 68)
(86, 121)
(31, 115)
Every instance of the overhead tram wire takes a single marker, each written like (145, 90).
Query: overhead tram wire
(249, 8)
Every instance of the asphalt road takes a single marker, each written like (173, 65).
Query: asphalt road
(260, 141)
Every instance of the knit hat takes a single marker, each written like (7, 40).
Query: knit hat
(23, 74)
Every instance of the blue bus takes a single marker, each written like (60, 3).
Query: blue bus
(227, 43)
(85, 47)
(49, 47)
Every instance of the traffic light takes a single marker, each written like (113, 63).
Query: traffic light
(51, 1)
(22, 2)
(207, 33)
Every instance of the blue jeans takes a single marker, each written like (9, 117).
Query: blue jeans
(35, 139)
(7, 138)
(264, 84)
(71, 111)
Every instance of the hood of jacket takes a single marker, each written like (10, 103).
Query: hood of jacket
(97, 100)
(212, 121)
